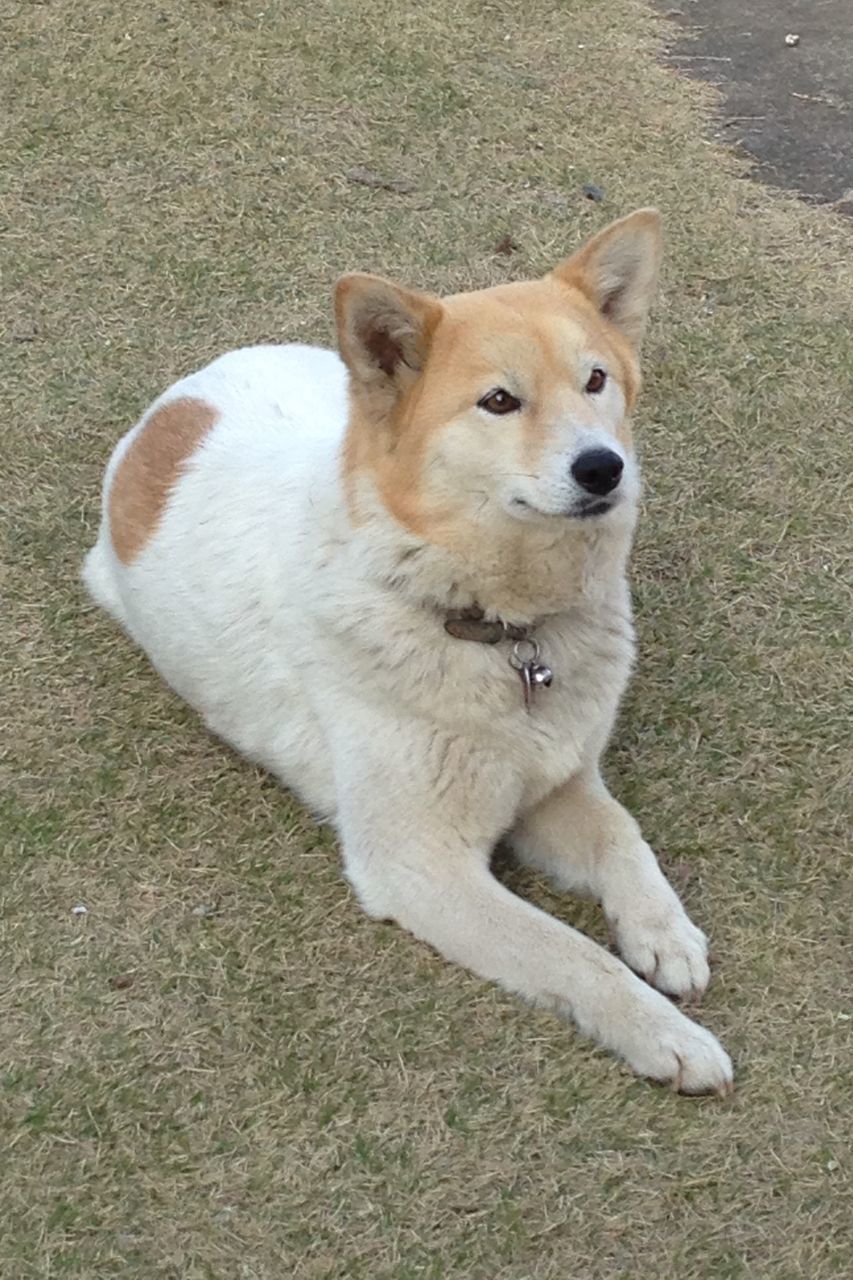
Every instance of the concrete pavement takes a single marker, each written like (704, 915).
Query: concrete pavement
(789, 105)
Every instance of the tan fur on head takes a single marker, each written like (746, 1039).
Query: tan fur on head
(148, 471)
(419, 368)
(618, 271)
(384, 334)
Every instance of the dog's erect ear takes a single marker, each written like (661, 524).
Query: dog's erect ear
(384, 332)
(618, 270)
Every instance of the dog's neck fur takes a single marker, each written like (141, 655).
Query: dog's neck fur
(517, 571)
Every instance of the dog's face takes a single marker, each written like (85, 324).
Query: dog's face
(509, 404)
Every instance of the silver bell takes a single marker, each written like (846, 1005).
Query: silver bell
(542, 675)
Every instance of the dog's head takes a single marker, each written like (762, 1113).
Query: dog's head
(508, 404)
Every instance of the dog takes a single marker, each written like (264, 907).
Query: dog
(396, 578)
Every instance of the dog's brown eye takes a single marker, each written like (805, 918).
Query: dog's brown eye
(596, 381)
(499, 401)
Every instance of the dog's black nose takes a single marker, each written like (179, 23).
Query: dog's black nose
(597, 470)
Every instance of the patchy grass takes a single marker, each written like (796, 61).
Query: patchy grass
(223, 1069)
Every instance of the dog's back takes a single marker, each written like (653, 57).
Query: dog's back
(202, 546)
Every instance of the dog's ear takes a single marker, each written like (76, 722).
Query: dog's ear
(384, 333)
(618, 270)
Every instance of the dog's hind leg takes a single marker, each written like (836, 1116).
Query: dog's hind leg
(585, 841)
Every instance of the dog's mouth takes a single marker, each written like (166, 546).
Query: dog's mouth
(591, 507)
(586, 509)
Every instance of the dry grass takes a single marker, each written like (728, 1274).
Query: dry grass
(223, 1069)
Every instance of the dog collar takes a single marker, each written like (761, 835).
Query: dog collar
(471, 624)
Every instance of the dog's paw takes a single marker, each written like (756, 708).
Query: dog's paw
(666, 949)
(672, 1049)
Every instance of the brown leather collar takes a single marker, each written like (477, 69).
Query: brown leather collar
(471, 624)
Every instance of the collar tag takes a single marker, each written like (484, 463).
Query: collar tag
(534, 675)
(469, 624)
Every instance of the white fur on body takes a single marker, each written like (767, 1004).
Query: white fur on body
(316, 647)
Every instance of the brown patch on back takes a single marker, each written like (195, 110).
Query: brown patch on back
(150, 469)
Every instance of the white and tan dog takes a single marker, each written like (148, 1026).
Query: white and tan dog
(360, 572)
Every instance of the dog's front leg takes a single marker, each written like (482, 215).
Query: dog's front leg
(416, 849)
(587, 842)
